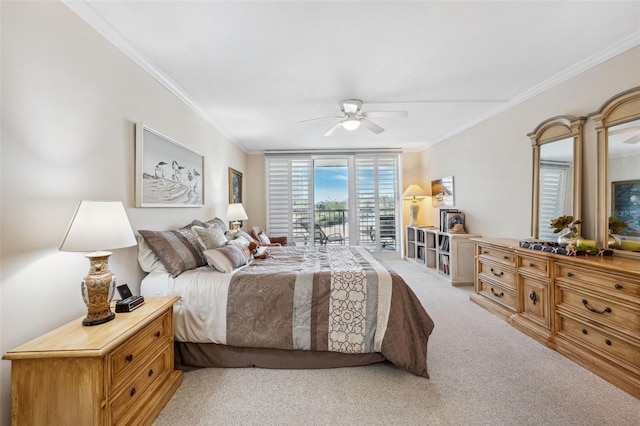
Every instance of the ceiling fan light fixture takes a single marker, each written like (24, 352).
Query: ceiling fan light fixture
(351, 124)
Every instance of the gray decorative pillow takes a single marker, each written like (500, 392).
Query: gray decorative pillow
(225, 259)
(178, 250)
(210, 237)
(216, 221)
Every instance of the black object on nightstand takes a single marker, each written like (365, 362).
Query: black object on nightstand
(129, 302)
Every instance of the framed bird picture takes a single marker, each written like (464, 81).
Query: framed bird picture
(168, 174)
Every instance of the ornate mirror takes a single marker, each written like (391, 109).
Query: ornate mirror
(618, 126)
(557, 173)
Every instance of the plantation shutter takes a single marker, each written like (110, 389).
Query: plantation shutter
(553, 196)
(289, 196)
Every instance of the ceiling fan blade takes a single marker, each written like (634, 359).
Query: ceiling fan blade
(319, 119)
(633, 139)
(371, 126)
(385, 114)
(623, 130)
(333, 129)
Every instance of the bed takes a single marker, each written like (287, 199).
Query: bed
(300, 307)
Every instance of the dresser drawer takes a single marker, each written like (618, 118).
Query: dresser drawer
(613, 284)
(534, 304)
(619, 316)
(533, 265)
(497, 255)
(129, 357)
(498, 292)
(601, 342)
(496, 272)
(125, 404)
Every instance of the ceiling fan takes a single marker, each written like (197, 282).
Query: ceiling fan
(353, 117)
(635, 138)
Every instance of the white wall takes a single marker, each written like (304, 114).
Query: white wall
(492, 162)
(69, 103)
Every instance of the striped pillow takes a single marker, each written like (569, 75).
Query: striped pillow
(178, 250)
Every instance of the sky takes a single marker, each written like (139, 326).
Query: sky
(331, 183)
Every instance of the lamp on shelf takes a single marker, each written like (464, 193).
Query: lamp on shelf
(97, 226)
(236, 213)
(414, 193)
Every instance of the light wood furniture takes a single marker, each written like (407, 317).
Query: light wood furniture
(452, 255)
(585, 307)
(120, 372)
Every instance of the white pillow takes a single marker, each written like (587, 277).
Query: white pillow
(225, 259)
(209, 238)
(264, 239)
(147, 259)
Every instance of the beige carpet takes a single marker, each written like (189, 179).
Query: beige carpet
(483, 372)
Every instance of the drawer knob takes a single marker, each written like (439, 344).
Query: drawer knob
(531, 265)
(569, 274)
(485, 252)
(506, 257)
(133, 392)
(606, 310)
(129, 358)
(157, 334)
(497, 274)
(150, 373)
(497, 294)
(618, 286)
(584, 331)
(607, 342)
(534, 297)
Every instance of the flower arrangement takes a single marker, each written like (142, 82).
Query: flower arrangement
(563, 222)
(616, 225)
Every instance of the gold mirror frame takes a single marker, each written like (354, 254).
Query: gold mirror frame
(620, 109)
(549, 131)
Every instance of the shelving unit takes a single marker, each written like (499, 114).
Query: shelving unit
(451, 255)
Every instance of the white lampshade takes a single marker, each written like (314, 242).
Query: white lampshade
(414, 192)
(236, 212)
(98, 225)
(351, 124)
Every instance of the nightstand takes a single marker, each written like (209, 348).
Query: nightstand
(115, 373)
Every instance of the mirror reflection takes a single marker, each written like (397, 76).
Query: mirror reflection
(623, 158)
(555, 179)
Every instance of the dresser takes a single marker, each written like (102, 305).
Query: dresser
(585, 307)
(120, 372)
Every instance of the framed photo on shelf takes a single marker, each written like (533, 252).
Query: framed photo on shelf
(235, 186)
(455, 222)
(168, 174)
(625, 205)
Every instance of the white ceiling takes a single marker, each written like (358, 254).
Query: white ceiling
(254, 69)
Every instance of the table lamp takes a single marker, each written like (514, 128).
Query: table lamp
(414, 193)
(97, 226)
(236, 213)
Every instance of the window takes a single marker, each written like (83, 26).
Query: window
(367, 214)
(554, 181)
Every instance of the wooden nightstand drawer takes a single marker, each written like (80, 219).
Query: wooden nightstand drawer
(127, 358)
(498, 292)
(533, 265)
(126, 403)
(496, 272)
(497, 255)
(601, 342)
(619, 316)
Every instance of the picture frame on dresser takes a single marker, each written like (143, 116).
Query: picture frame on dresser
(168, 174)
(625, 205)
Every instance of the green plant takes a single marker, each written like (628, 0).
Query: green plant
(616, 225)
(564, 222)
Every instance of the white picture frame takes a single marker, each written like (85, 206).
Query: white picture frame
(168, 174)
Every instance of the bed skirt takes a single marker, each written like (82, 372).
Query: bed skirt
(192, 356)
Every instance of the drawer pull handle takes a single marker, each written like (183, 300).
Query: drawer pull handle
(497, 294)
(505, 257)
(534, 297)
(496, 274)
(608, 342)
(531, 265)
(606, 310)
(485, 252)
(150, 373)
(618, 286)
(133, 392)
(157, 334)
(569, 274)
(584, 331)
(129, 358)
